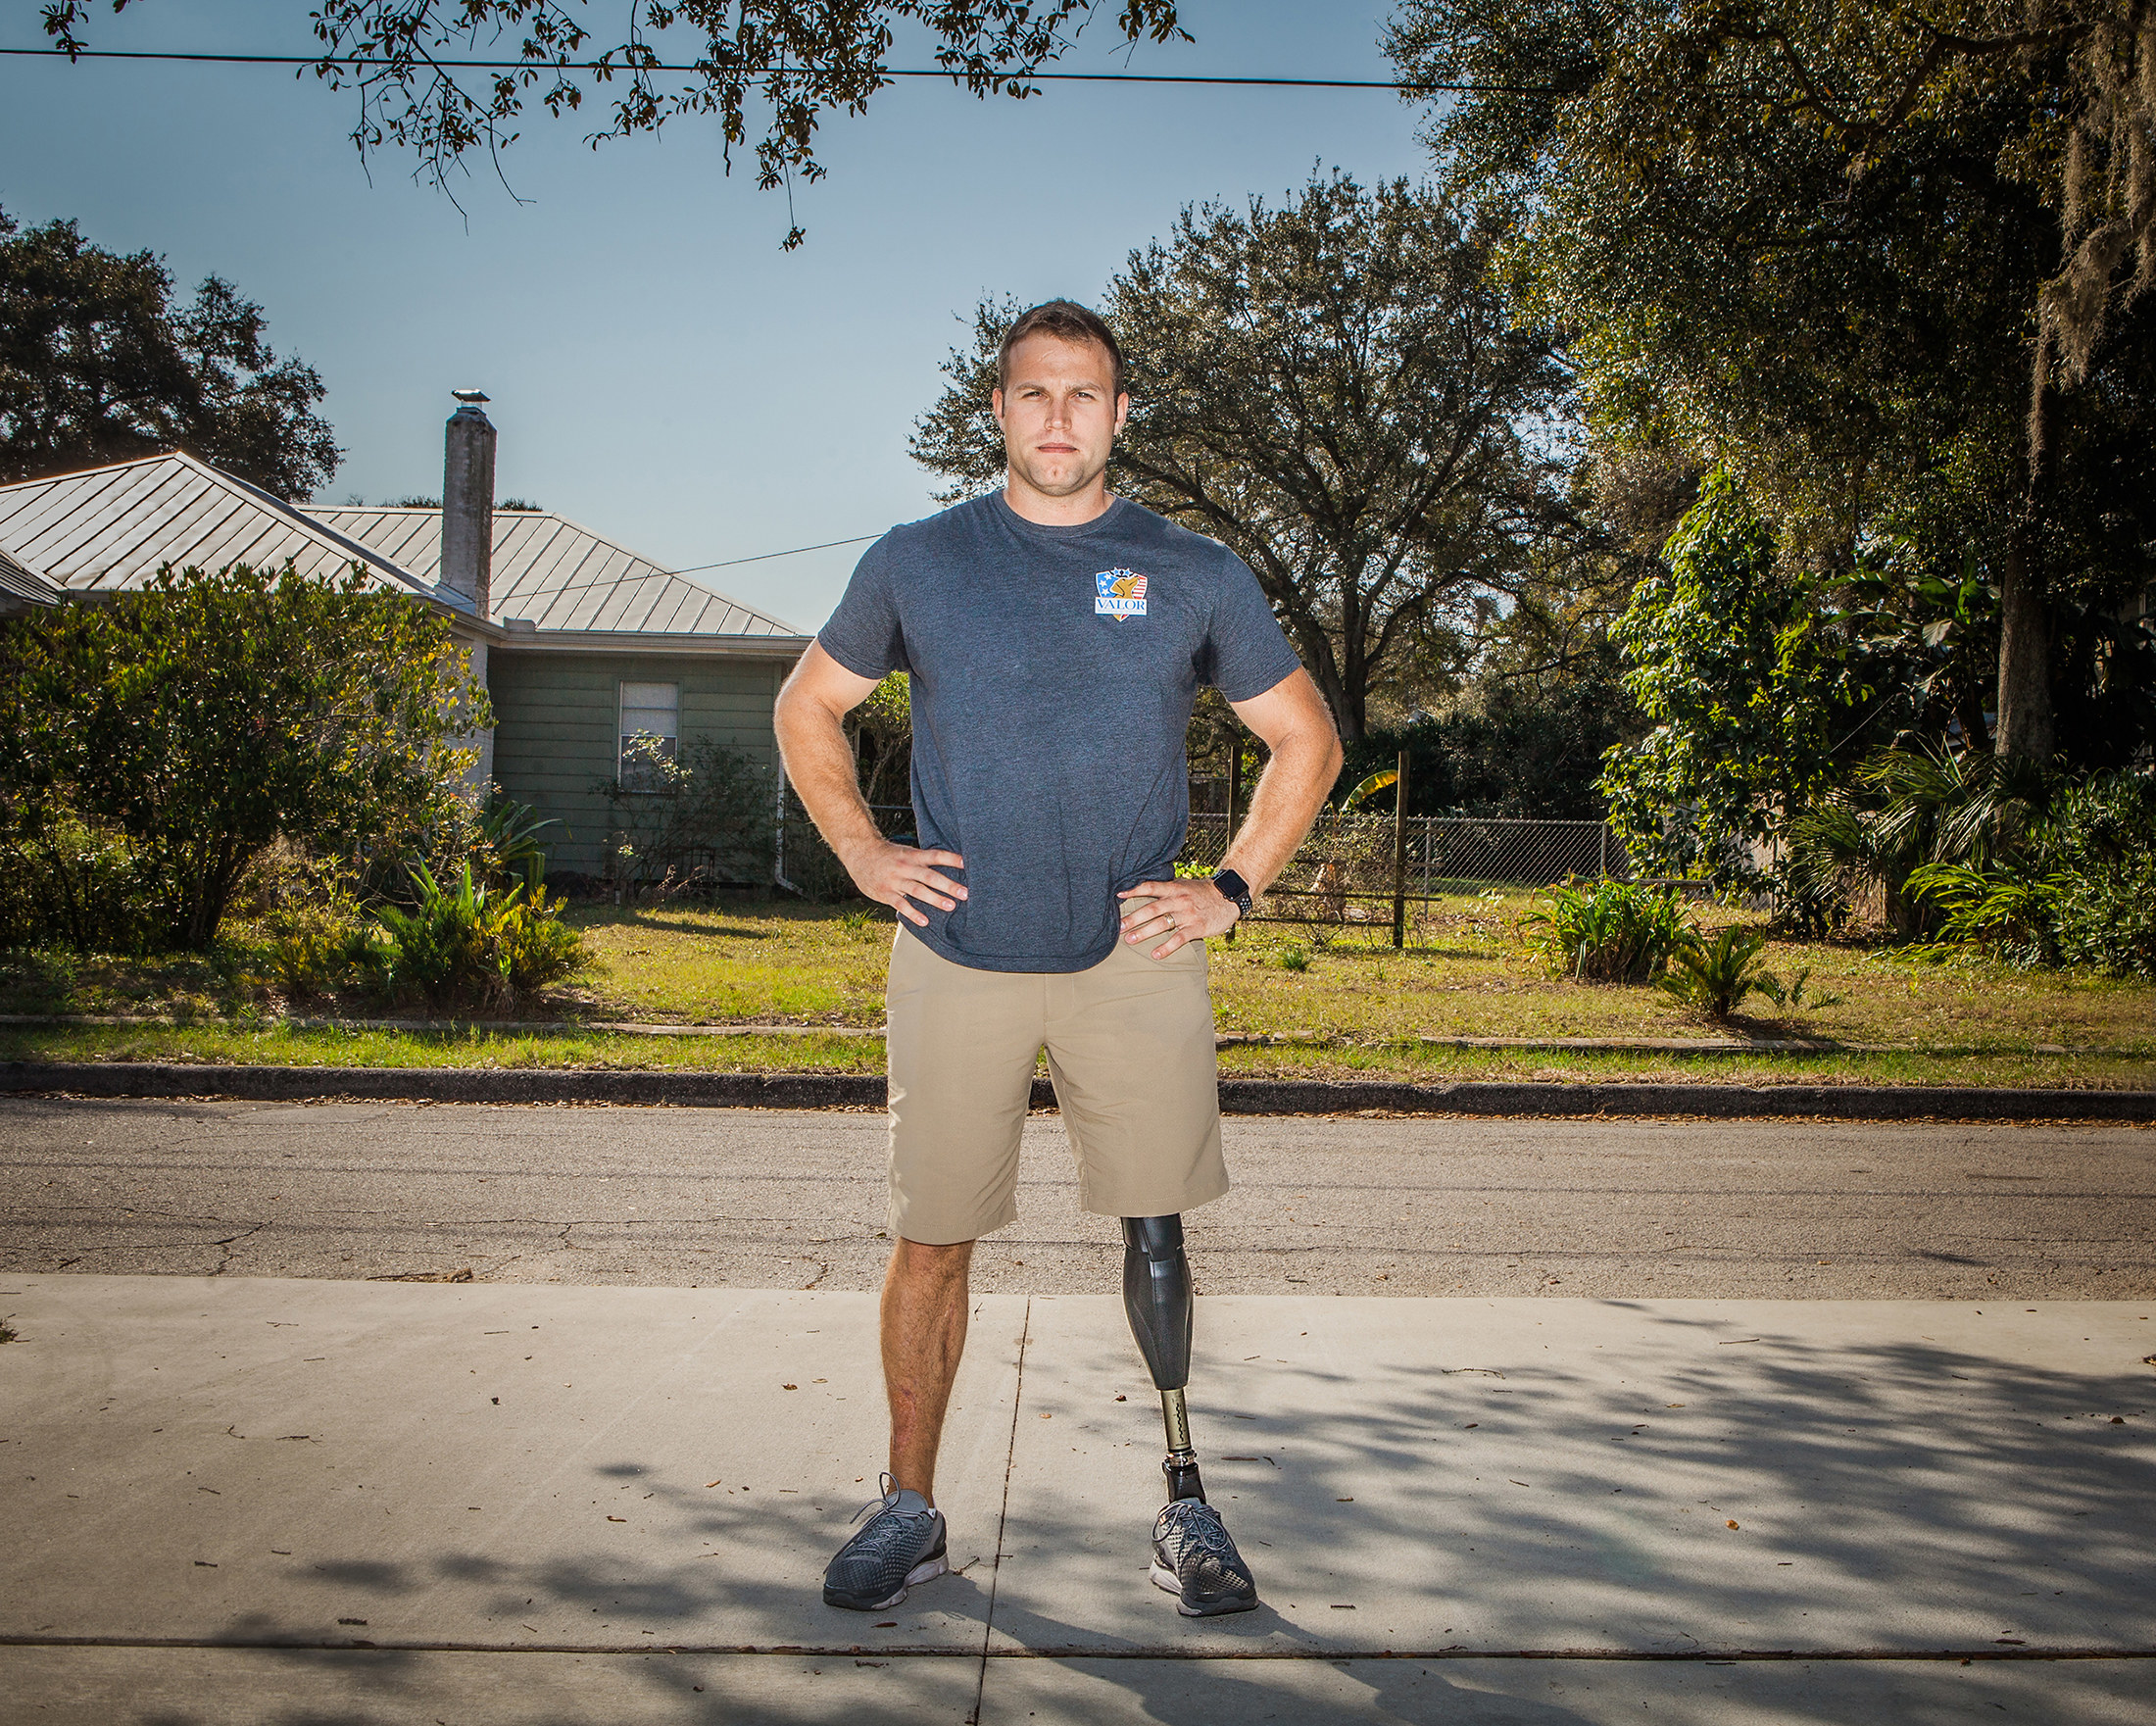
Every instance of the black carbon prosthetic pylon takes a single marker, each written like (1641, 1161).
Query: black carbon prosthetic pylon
(1156, 1296)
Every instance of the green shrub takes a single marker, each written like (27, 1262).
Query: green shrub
(695, 822)
(2102, 852)
(1605, 931)
(2082, 891)
(296, 919)
(469, 945)
(2004, 908)
(205, 715)
(533, 947)
(80, 884)
(1294, 959)
(1713, 977)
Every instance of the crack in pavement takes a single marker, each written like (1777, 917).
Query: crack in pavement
(225, 1259)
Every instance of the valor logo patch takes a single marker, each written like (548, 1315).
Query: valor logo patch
(1120, 594)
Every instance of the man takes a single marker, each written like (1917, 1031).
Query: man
(1055, 637)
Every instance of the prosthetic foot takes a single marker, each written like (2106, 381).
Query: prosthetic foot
(1193, 1556)
(1156, 1296)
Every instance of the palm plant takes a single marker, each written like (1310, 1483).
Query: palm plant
(1713, 977)
(1914, 808)
(468, 942)
(1607, 932)
(508, 835)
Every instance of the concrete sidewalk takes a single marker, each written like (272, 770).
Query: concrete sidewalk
(278, 1500)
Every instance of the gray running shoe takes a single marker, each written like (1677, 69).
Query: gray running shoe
(1193, 1556)
(902, 1544)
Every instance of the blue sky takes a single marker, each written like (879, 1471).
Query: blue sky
(660, 369)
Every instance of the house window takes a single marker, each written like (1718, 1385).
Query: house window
(650, 730)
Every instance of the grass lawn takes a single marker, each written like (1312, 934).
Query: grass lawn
(1337, 1000)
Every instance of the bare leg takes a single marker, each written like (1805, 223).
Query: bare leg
(925, 1299)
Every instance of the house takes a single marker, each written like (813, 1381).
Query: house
(581, 643)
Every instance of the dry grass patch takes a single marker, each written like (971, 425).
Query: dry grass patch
(1341, 995)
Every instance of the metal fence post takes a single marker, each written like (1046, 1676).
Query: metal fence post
(1234, 789)
(1235, 776)
(1400, 854)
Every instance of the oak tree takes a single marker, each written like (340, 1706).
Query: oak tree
(1335, 389)
(449, 78)
(1888, 263)
(99, 363)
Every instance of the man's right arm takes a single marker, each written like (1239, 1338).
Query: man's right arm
(809, 720)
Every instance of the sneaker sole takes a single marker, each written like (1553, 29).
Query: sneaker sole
(1164, 1580)
(920, 1573)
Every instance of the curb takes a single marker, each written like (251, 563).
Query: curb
(709, 1090)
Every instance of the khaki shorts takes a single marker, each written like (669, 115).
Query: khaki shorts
(1130, 1048)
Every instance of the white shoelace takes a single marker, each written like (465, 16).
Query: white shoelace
(1200, 1527)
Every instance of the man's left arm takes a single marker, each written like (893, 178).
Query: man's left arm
(1296, 725)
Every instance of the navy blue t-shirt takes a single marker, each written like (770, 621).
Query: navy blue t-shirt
(1052, 674)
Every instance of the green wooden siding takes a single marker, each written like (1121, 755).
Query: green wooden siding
(553, 728)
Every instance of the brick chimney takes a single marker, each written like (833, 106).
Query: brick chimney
(468, 501)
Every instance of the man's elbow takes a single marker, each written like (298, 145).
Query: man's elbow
(1319, 744)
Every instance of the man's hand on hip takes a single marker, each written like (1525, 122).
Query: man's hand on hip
(898, 874)
(1181, 910)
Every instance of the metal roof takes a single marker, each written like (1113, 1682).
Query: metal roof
(18, 581)
(559, 574)
(114, 527)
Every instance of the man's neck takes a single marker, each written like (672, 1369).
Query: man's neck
(1074, 510)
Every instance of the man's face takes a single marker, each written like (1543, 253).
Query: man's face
(1061, 413)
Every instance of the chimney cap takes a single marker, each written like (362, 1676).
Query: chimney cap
(471, 398)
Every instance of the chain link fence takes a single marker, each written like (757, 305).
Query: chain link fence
(1344, 867)
(1343, 871)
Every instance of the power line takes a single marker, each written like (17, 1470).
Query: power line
(887, 72)
(767, 557)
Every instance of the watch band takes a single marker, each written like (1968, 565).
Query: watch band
(1234, 887)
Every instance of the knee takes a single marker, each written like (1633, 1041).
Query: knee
(926, 1263)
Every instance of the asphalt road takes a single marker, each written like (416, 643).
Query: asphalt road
(771, 1200)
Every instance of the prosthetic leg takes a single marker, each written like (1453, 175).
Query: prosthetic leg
(1157, 1295)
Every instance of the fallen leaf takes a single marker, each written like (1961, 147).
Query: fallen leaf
(789, 1386)
(708, 1484)
(1733, 1524)
(624, 1520)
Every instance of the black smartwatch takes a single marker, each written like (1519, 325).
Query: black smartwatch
(1236, 889)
